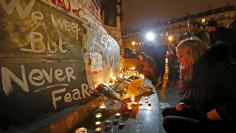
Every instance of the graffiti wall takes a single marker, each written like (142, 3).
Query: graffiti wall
(52, 53)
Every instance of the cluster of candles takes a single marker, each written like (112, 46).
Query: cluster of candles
(98, 128)
(130, 72)
(132, 103)
(108, 123)
(98, 116)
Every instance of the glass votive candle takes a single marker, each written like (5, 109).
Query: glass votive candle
(129, 108)
(121, 125)
(81, 130)
(98, 123)
(145, 98)
(108, 122)
(117, 115)
(98, 115)
(135, 103)
(98, 130)
(102, 107)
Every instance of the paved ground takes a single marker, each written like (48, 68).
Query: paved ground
(167, 97)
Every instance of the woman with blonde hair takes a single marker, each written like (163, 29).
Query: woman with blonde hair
(188, 51)
(210, 103)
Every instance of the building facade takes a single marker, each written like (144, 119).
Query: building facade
(175, 27)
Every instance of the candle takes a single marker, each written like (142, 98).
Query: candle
(129, 108)
(108, 122)
(98, 123)
(102, 107)
(145, 98)
(121, 125)
(140, 103)
(98, 115)
(135, 103)
(81, 130)
(121, 75)
(98, 130)
(117, 115)
(132, 99)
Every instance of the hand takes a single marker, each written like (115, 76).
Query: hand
(180, 106)
(213, 115)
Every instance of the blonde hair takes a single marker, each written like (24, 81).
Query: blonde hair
(194, 48)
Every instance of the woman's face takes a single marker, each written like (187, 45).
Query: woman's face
(185, 59)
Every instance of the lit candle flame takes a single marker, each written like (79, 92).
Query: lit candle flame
(132, 68)
(98, 123)
(117, 114)
(142, 76)
(132, 99)
(102, 106)
(121, 75)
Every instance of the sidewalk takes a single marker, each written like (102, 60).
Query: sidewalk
(168, 96)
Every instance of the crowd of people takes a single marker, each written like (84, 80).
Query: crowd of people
(207, 77)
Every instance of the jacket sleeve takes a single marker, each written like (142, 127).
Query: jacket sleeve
(227, 80)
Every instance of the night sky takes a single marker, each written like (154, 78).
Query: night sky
(143, 12)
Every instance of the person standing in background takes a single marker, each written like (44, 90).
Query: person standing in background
(212, 29)
(195, 30)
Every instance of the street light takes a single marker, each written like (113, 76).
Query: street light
(203, 20)
(150, 36)
(133, 43)
(170, 38)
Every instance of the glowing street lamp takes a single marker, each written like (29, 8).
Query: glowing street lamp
(203, 20)
(170, 38)
(150, 36)
(133, 46)
(133, 43)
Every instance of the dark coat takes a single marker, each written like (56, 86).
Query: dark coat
(149, 69)
(213, 85)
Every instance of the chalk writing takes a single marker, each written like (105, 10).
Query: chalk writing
(23, 13)
(68, 26)
(8, 76)
(45, 71)
(37, 44)
(36, 77)
(74, 95)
